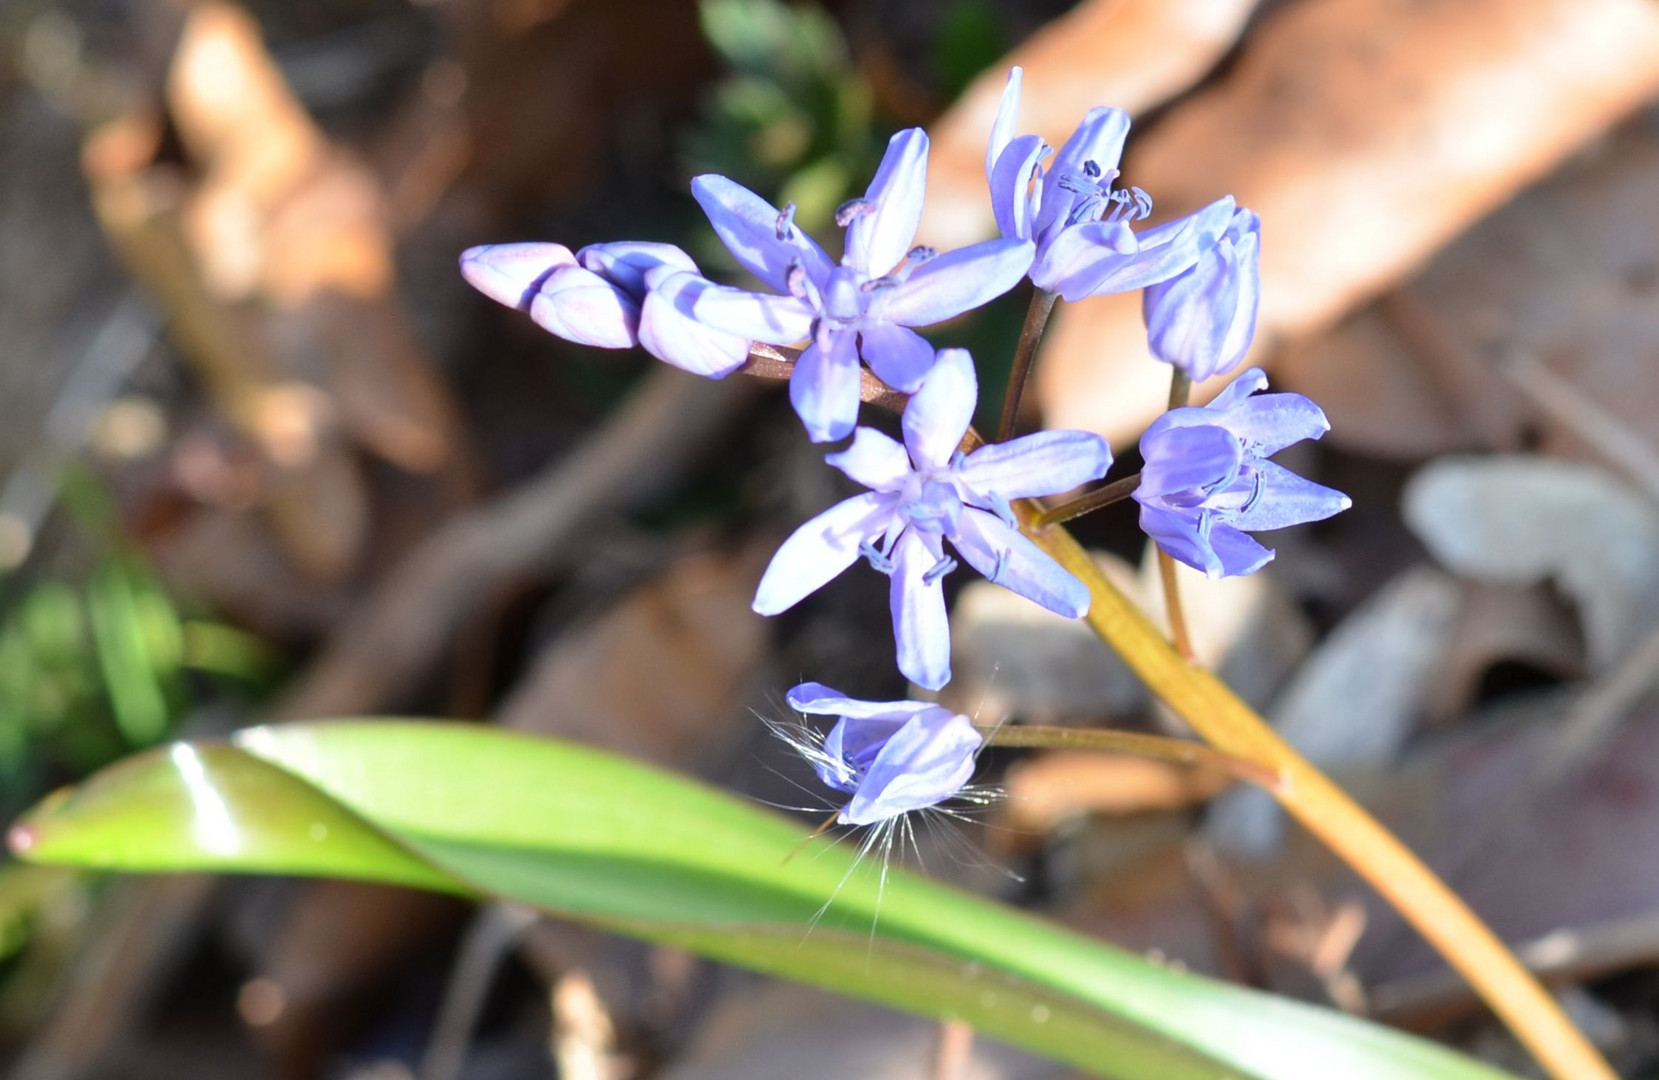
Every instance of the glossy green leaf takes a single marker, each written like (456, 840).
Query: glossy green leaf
(623, 845)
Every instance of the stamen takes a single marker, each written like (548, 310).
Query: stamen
(1257, 487)
(796, 281)
(878, 561)
(1091, 169)
(786, 223)
(876, 284)
(957, 458)
(939, 569)
(920, 254)
(1004, 512)
(1002, 564)
(851, 210)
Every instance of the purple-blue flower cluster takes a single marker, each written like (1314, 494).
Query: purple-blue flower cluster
(1066, 225)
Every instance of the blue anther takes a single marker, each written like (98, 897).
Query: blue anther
(878, 561)
(786, 223)
(939, 569)
(851, 210)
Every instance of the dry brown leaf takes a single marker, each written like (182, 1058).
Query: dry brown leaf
(1131, 54)
(1565, 274)
(334, 951)
(285, 218)
(1367, 134)
(659, 676)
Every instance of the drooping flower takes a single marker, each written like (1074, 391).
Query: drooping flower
(923, 493)
(863, 307)
(614, 296)
(1075, 215)
(1207, 480)
(892, 757)
(1202, 320)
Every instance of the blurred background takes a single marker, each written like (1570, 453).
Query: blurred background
(264, 456)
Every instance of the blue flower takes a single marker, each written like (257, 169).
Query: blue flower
(863, 307)
(614, 296)
(892, 757)
(1202, 320)
(1079, 221)
(923, 493)
(1207, 478)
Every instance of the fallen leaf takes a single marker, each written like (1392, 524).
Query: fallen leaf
(660, 675)
(1565, 275)
(1523, 520)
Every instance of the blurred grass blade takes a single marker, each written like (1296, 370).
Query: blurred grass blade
(623, 845)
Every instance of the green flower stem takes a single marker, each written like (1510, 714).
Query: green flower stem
(1025, 355)
(1108, 741)
(1115, 492)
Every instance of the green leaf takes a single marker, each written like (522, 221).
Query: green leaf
(629, 847)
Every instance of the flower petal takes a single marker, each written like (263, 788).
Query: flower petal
(1045, 463)
(1072, 259)
(776, 320)
(1189, 318)
(873, 460)
(1007, 557)
(899, 355)
(956, 281)
(1271, 422)
(1090, 260)
(748, 225)
(1203, 319)
(512, 274)
(927, 761)
(1180, 535)
(1099, 138)
(1286, 499)
(1248, 382)
(670, 331)
(1245, 261)
(937, 416)
(879, 238)
(921, 630)
(1237, 553)
(824, 387)
(1011, 186)
(820, 700)
(624, 263)
(1002, 129)
(1188, 461)
(819, 550)
(579, 305)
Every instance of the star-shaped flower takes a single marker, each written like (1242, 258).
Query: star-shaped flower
(864, 306)
(1075, 215)
(925, 492)
(1207, 479)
